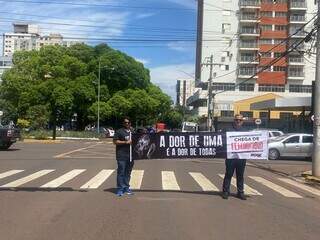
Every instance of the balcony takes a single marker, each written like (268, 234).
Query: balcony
(296, 60)
(250, 32)
(297, 19)
(298, 5)
(255, 4)
(200, 95)
(248, 60)
(296, 33)
(249, 46)
(249, 18)
(247, 72)
(296, 74)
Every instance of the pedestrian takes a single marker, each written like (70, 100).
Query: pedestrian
(122, 140)
(235, 164)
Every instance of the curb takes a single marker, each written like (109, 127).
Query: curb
(308, 177)
(41, 141)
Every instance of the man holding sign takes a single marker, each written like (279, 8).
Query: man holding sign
(235, 164)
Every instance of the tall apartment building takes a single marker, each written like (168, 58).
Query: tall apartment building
(242, 35)
(5, 63)
(27, 37)
(185, 89)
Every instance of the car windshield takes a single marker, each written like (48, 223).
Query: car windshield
(279, 138)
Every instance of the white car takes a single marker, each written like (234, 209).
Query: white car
(291, 145)
(109, 132)
(273, 133)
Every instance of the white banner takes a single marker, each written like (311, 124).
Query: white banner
(247, 145)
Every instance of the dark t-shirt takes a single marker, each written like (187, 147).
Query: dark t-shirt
(122, 150)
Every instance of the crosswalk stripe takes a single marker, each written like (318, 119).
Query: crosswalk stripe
(169, 181)
(97, 180)
(204, 182)
(136, 179)
(283, 191)
(9, 173)
(27, 179)
(301, 186)
(248, 190)
(63, 179)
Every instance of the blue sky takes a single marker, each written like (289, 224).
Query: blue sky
(159, 33)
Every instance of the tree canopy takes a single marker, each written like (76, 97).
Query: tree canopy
(54, 85)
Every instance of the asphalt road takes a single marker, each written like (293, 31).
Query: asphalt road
(47, 192)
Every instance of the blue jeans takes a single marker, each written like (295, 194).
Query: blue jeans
(124, 174)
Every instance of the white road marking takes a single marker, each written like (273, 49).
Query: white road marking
(63, 179)
(136, 179)
(301, 186)
(27, 179)
(204, 182)
(97, 180)
(9, 173)
(169, 181)
(275, 187)
(248, 190)
(76, 150)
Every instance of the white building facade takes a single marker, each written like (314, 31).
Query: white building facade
(245, 36)
(5, 64)
(185, 89)
(28, 37)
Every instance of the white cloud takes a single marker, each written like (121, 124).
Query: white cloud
(180, 46)
(166, 76)
(144, 15)
(144, 61)
(186, 3)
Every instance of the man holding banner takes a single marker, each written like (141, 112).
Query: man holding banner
(235, 164)
(122, 140)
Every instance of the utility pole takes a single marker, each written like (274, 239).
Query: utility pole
(99, 75)
(211, 95)
(316, 123)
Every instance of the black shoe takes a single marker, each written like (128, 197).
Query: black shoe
(225, 195)
(241, 196)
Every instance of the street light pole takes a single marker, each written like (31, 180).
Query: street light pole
(99, 75)
(316, 127)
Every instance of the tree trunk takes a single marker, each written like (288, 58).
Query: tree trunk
(54, 125)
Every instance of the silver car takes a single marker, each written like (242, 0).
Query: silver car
(291, 145)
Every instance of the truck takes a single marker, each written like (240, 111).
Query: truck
(8, 136)
(189, 127)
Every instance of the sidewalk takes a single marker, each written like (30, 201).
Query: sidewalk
(297, 169)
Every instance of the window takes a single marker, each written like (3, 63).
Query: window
(279, 69)
(279, 41)
(223, 86)
(263, 115)
(266, 54)
(294, 139)
(265, 41)
(246, 114)
(266, 14)
(280, 27)
(300, 88)
(286, 115)
(281, 14)
(246, 87)
(223, 59)
(307, 139)
(226, 27)
(271, 88)
(266, 27)
(225, 113)
(277, 54)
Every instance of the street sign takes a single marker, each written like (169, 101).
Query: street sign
(258, 121)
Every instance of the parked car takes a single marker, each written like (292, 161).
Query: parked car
(291, 145)
(109, 132)
(8, 136)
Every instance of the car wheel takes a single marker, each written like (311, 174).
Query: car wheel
(274, 154)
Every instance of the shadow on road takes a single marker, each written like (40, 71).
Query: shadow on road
(33, 189)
